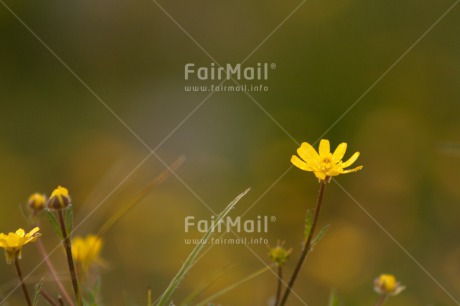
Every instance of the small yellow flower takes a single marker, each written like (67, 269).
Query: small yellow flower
(37, 202)
(85, 251)
(279, 255)
(387, 284)
(13, 242)
(59, 199)
(325, 164)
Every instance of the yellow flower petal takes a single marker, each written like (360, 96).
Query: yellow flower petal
(352, 170)
(33, 231)
(324, 147)
(340, 151)
(300, 164)
(20, 232)
(351, 160)
(320, 175)
(307, 152)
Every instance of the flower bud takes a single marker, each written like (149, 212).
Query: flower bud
(387, 284)
(36, 202)
(59, 199)
(279, 255)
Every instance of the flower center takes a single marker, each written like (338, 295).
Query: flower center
(327, 163)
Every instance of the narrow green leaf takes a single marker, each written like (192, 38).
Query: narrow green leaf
(308, 224)
(93, 292)
(320, 235)
(200, 289)
(69, 219)
(88, 303)
(167, 294)
(38, 288)
(231, 287)
(54, 222)
(333, 299)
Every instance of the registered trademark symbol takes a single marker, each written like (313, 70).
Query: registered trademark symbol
(273, 66)
(272, 218)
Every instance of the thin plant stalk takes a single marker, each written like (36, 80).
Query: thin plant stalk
(381, 300)
(141, 195)
(231, 287)
(68, 250)
(279, 286)
(200, 289)
(48, 298)
(167, 294)
(307, 245)
(21, 281)
(53, 272)
(61, 301)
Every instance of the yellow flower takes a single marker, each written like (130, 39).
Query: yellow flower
(279, 254)
(387, 284)
(13, 242)
(37, 202)
(86, 250)
(59, 199)
(325, 164)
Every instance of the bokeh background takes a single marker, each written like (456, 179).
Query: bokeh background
(54, 131)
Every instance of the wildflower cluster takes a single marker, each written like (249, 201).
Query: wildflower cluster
(83, 253)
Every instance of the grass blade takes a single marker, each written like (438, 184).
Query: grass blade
(231, 287)
(192, 296)
(167, 294)
(140, 196)
(333, 299)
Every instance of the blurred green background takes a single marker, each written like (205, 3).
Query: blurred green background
(327, 54)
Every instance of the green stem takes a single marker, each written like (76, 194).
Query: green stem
(307, 244)
(21, 281)
(68, 250)
(280, 284)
